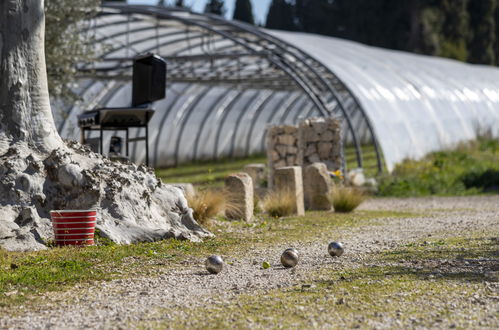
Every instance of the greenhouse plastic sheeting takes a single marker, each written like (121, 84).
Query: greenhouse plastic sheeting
(416, 103)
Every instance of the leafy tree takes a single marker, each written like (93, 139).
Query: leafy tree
(215, 7)
(244, 11)
(65, 45)
(281, 16)
(482, 29)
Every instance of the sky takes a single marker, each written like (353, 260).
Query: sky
(260, 7)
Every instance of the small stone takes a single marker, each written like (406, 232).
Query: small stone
(286, 139)
(327, 136)
(70, 176)
(324, 149)
(281, 149)
(314, 159)
(311, 149)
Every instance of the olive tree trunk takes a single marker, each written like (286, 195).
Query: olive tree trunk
(25, 115)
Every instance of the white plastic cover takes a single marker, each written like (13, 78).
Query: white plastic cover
(416, 103)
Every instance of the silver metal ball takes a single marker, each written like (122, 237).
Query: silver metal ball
(293, 250)
(335, 249)
(214, 264)
(289, 258)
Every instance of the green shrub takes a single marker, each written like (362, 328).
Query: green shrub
(468, 169)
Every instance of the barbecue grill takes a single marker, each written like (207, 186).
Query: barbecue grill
(148, 85)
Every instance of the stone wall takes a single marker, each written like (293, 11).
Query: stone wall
(282, 148)
(313, 140)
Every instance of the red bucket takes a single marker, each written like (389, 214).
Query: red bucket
(74, 227)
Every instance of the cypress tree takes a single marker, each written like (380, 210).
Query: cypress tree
(454, 29)
(482, 29)
(244, 11)
(280, 16)
(215, 7)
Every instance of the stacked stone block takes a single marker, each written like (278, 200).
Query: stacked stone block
(289, 179)
(319, 140)
(317, 186)
(313, 140)
(282, 148)
(239, 187)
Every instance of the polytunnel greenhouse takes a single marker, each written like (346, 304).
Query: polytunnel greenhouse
(228, 81)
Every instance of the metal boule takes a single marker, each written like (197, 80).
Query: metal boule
(293, 250)
(214, 264)
(289, 258)
(335, 249)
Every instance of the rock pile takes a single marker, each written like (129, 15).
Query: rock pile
(132, 204)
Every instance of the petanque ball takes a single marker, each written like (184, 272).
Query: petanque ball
(335, 249)
(293, 250)
(214, 264)
(289, 258)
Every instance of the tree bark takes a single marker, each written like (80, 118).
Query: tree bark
(25, 115)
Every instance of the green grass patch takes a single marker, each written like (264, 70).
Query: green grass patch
(210, 173)
(469, 169)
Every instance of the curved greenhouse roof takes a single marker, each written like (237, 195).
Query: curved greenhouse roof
(227, 81)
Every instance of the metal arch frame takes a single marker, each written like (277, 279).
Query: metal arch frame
(162, 12)
(316, 85)
(276, 41)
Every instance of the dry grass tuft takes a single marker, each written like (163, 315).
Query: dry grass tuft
(279, 203)
(346, 199)
(207, 204)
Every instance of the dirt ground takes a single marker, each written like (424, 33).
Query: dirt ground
(365, 288)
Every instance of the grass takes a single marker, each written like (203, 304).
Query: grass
(470, 168)
(207, 174)
(280, 203)
(335, 296)
(346, 199)
(24, 275)
(207, 204)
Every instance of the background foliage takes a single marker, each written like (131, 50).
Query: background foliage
(65, 45)
(469, 169)
(465, 30)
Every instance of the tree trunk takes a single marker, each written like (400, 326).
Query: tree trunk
(24, 101)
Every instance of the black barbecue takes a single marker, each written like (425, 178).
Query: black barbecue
(148, 85)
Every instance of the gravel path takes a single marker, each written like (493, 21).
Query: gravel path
(118, 303)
